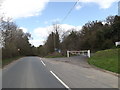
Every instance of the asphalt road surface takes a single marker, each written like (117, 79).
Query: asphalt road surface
(29, 72)
(36, 72)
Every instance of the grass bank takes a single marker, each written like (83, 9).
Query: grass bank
(9, 60)
(107, 59)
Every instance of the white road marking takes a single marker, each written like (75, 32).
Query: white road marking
(60, 80)
(43, 63)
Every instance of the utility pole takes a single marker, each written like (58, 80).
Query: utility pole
(54, 41)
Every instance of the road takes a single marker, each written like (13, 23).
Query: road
(35, 72)
(29, 72)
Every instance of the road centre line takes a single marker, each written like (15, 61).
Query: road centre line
(59, 80)
(43, 63)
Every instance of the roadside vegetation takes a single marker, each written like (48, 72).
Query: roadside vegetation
(54, 55)
(106, 59)
(9, 60)
(14, 42)
(94, 35)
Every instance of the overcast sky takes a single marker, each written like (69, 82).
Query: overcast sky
(37, 16)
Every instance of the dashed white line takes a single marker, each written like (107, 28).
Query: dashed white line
(43, 63)
(60, 80)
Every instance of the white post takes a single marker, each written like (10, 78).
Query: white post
(83, 53)
(68, 54)
(116, 43)
(89, 53)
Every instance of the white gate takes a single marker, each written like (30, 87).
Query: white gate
(79, 52)
(117, 43)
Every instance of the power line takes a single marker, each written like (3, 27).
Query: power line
(70, 11)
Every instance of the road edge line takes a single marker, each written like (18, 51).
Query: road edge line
(60, 80)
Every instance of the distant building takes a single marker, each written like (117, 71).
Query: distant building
(119, 8)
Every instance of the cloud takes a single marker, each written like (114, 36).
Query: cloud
(104, 4)
(57, 20)
(78, 7)
(40, 34)
(36, 42)
(26, 8)
(23, 8)
(67, 27)
(25, 30)
(43, 32)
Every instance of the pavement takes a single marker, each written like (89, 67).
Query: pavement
(77, 73)
(76, 60)
(81, 61)
(36, 72)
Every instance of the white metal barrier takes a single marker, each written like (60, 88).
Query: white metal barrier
(117, 43)
(79, 52)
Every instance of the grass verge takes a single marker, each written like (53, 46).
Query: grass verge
(107, 59)
(9, 60)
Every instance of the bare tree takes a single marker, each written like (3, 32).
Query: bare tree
(56, 37)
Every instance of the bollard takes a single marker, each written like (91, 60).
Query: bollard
(68, 54)
(89, 53)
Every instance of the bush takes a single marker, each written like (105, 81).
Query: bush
(54, 55)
